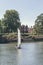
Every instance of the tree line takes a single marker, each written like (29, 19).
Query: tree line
(11, 21)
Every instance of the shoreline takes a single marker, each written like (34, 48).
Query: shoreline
(13, 38)
(22, 40)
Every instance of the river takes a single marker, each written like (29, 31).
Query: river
(29, 54)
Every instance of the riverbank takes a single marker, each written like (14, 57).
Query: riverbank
(7, 38)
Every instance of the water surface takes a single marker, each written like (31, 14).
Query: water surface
(30, 54)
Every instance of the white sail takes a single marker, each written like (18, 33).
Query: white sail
(19, 38)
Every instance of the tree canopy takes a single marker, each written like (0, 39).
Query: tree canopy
(39, 24)
(11, 21)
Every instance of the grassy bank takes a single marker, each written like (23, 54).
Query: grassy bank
(12, 37)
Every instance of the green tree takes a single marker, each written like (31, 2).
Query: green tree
(11, 20)
(1, 27)
(39, 24)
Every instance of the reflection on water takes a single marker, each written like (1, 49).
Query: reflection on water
(30, 54)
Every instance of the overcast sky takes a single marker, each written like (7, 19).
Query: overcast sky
(28, 9)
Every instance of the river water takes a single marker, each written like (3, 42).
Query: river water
(29, 54)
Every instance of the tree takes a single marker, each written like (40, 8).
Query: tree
(39, 24)
(1, 27)
(26, 28)
(11, 20)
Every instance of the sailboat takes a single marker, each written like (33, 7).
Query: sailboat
(19, 39)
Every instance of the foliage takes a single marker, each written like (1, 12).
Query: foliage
(39, 24)
(24, 28)
(11, 21)
(1, 27)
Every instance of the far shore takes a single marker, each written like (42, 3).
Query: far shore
(12, 37)
(9, 40)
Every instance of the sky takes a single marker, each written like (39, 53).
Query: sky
(28, 9)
